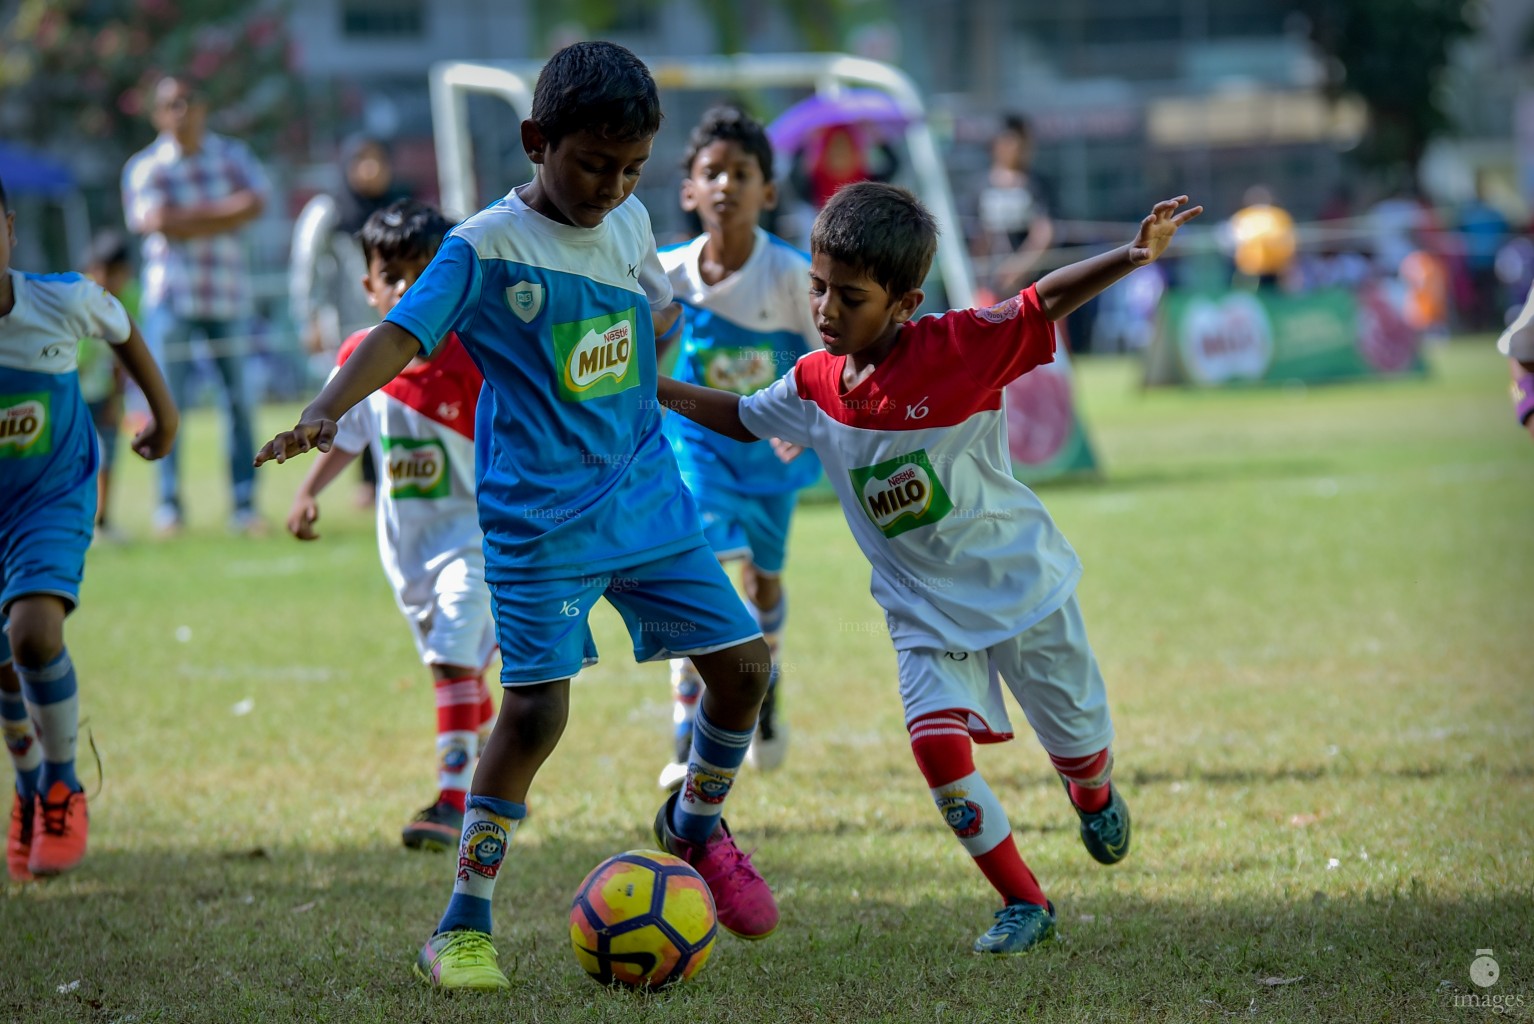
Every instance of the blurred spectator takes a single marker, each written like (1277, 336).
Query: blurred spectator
(1484, 230)
(103, 381)
(1262, 237)
(1397, 227)
(838, 155)
(188, 193)
(326, 265)
(1015, 229)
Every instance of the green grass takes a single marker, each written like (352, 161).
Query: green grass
(1312, 609)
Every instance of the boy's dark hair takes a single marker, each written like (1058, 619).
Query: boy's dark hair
(405, 229)
(1018, 125)
(108, 249)
(5, 203)
(879, 229)
(729, 122)
(598, 87)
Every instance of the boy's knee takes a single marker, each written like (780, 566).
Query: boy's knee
(36, 631)
(534, 715)
(740, 672)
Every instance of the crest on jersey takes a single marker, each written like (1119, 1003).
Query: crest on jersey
(525, 299)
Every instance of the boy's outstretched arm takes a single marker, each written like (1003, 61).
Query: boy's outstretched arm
(154, 441)
(717, 410)
(380, 357)
(1065, 290)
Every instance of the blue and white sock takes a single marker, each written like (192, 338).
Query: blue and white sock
(488, 825)
(717, 755)
(21, 741)
(770, 621)
(53, 701)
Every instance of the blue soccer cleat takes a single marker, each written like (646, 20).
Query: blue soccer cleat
(1019, 927)
(1104, 833)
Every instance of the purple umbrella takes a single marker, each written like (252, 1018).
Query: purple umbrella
(869, 108)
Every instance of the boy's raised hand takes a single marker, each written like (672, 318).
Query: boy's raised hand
(1156, 230)
(316, 432)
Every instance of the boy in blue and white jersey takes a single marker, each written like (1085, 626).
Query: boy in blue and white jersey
(746, 297)
(554, 292)
(48, 460)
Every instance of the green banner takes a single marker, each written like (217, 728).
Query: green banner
(1267, 336)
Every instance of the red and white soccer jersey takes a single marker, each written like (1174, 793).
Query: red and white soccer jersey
(421, 428)
(964, 556)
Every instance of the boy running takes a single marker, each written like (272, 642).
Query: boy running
(977, 583)
(48, 459)
(553, 290)
(747, 320)
(421, 428)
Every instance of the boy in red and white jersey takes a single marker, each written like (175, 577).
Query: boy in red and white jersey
(421, 428)
(976, 581)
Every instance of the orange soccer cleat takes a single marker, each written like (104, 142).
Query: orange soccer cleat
(59, 827)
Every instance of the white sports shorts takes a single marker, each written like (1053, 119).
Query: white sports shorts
(450, 615)
(1050, 670)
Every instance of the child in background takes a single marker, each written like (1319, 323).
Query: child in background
(102, 378)
(556, 293)
(977, 583)
(747, 320)
(48, 458)
(421, 428)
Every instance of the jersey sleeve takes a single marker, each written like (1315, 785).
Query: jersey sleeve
(654, 280)
(445, 298)
(998, 344)
(778, 411)
(102, 316)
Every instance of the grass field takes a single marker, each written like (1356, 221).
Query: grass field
(1312, 608)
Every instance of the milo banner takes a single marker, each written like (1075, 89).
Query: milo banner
(1044, 431)
(1214, 340)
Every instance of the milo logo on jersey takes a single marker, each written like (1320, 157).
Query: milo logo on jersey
(417, 468)
(744, 371)
(596, 356)
(902, 493)
(25, 425)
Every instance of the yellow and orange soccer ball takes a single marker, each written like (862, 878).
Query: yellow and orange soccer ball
(643, 919)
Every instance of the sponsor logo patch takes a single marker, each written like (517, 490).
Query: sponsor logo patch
(418, 468)
(964, 816)
(484, 847)
(742, 371)
(706, 785)
(26, 425)
(596, 356)
(901, 494)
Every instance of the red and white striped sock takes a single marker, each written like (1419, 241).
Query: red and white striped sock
(1088, 778)
(459, 710)
(941, 744)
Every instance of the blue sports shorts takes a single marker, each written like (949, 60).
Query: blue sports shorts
(675, 606)
(43, 551)
(753, 526)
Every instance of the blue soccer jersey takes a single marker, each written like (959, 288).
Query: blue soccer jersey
(48, 445)
(574, 476)
(740, 335)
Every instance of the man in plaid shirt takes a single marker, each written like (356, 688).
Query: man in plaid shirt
(189, 193)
